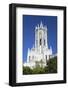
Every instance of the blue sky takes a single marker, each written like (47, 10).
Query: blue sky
(29, 24)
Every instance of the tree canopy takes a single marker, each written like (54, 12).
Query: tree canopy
(39, 69)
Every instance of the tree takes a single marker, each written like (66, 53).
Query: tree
(27, 70)
(46, 69)
(39, 69)
(52, 65)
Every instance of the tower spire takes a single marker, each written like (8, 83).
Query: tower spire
(41, 25)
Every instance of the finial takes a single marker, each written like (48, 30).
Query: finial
(38, 26)
(41, 25)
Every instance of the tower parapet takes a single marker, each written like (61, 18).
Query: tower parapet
(38, 27)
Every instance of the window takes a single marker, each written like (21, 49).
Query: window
(44, 41)
(40, 41)
(46, 57)
(32, 57)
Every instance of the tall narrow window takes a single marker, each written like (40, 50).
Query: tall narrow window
(40, 41)
(44, 41)
(46, 57)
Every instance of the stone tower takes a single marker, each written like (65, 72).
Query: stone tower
(41, 38)
(40, 50)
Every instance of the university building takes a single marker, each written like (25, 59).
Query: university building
(40, 52)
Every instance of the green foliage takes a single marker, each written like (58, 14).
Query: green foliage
(27, 70)
(52, 65)
(39, 69)
(46, 69)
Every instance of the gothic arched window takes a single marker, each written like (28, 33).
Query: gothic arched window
(44, 41)
(40, 41)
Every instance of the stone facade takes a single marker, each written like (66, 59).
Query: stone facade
(40, 51)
